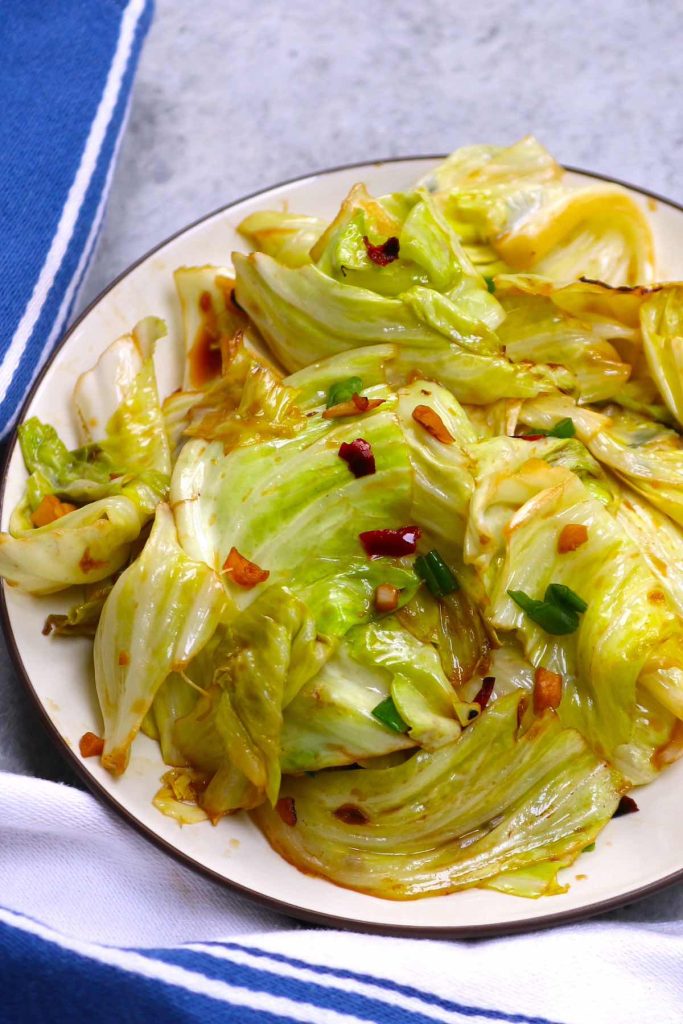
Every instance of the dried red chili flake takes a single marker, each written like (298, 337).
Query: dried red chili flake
(286, 808)
(531, 437)
(358, 456)
(432, 423)
(626, 805)
(390, 543)
(243, 572)
(351, 815)
(382, 254)
(485, 692)
(355, 405)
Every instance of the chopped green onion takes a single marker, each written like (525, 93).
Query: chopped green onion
(490, 284)
(387, 714)
(554, 619)
(423, 569)
(343, 391)
(564, 428)
(557, 613)
(562, 596)
(589, 849)
(433, 570)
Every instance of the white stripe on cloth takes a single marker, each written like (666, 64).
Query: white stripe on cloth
(180, 977)
(344, 983)
(602, 972)
(74, 200)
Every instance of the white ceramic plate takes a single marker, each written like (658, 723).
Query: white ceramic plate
(635, 854)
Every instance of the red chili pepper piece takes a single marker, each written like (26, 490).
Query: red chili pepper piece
(392, 543)
(382, 254)
(286, 808)
(626, 805)
(531, 437)
(351, 815)
(355, 405)
(358, 455)
(432, 423)
(485, 692)
(243, 572)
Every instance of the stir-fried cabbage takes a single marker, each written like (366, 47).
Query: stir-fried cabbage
(82, 509)
(417, 606)
(160, 613)
(512, 201)
(490, 803)
(289, 237)
(661, 318)
(518, 513)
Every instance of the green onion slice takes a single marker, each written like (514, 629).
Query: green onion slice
(563, 428)
(433, 570)
(562, 596)
(387, 714)
(343, 391)
(557, 614)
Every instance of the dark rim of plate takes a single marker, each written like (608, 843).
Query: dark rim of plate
(454, 931)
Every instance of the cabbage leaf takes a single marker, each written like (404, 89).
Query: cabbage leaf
(646, 455)
(84, 546)
(160, 613)
(490, 802)
(512, 202)
(661, 319)
(288, 237)
(517, 514)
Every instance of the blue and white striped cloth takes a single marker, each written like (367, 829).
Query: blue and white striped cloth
(66, 71)
(95, 923)
(98, 924)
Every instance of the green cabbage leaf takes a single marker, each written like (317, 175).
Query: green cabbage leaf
(630, 628)
(288, 237)
(510, 204)
(661, 318)
(643, 453)
(161, 611)
(490, 802)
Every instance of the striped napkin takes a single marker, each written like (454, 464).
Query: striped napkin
(65, 79)
(99, 925)
(95, 923)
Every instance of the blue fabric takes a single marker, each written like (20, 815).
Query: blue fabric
(43, 979)
(66, 74)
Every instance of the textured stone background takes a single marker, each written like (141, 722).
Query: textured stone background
(236, 95)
